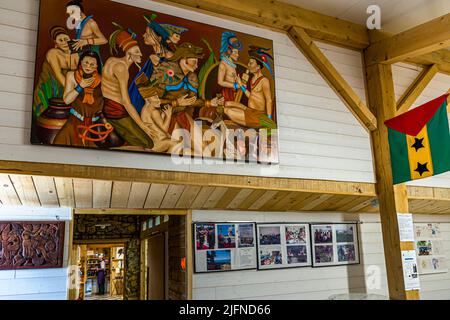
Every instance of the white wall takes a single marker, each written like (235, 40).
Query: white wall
(319, 138)
(316, 283)
(38, 284)
(404, 75)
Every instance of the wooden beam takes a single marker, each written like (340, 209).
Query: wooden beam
(425, 38)
(440, 58)
(278, 16)
(416, 88)
(333, 78)
(186, 178)
(392, 200)
(142, 212)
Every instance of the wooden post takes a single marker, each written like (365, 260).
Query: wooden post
(393, 199)
(189, 255)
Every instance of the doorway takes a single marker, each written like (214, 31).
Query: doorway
(101, 270)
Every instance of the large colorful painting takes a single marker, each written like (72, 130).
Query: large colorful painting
(31, 245)
(117, 77)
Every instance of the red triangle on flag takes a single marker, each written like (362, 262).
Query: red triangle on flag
(412, 122)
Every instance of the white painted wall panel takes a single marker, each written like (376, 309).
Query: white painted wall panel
(39, 284)
(319, 137)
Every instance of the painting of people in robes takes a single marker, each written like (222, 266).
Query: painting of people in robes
(112, 76)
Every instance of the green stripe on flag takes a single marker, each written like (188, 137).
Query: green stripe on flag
(399, 156)
(439, 135)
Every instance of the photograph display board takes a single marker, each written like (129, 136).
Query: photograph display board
(429, 247)
(334, 244)
(283, 245)
(224, 246)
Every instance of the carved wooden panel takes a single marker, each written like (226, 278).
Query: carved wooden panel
(31, 245)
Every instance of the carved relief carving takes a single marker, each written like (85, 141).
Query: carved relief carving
(31, 245)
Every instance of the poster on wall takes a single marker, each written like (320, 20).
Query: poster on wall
(429, 246)
(31, 245)
(113, 76)
(224, 246)
(334, 244)
(283, 245)
(410, 270)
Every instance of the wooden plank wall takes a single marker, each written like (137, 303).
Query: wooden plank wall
(38, 284)
(320, 139)
(317, 283)
(177, 251)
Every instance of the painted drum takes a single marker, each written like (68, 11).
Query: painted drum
(52, 120)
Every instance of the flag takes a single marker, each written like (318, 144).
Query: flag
(419, 141)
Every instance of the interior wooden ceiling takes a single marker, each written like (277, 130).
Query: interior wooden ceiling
(41, 191)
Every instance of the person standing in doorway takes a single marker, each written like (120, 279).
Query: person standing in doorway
(101, 275)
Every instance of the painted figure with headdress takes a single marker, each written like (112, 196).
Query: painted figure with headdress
(163, 39)
(259, 112)
(87, 32)
(177, 82)
(58, 61)
(118, 109)
(227, 76)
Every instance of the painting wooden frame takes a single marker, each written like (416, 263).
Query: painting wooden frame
(35, 244)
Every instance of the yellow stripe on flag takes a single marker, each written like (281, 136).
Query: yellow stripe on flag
(419, 155)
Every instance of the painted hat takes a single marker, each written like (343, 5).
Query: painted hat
(261, 54)
(229, 42)
(124, 39)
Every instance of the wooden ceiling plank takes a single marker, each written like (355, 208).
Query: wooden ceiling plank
(64, 188)
(214, 198)
(239, 199)
(155, 195)
(251, 199)
(263, 200)
(330, 204)
(313, 204)
(201, 198)
(82, 189)
(275, 200)
(334, 79)
(227, 198)
(101, 190)
(120, 194)
(140, 212)
(46, 190)
(138, 195)
(8, 194)
(299, 205)
(26, 190)
(173, 193)
(364, 204)
(422, 39)
(188, 197)
(416, 88)
(286, 202)
(354, 203)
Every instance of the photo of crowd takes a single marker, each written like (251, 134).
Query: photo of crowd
(323, 254)
(323, 234)
(270, 257)
(246, 235)
(218, 260)
(346, 253)
(226, 235)
(424, 248)
(295, 234)
(205, 235)
(269, 235)
(344, 233)
(297, 254)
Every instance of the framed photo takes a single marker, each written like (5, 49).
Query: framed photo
(283, 245)
(334, 244)
(224, 246)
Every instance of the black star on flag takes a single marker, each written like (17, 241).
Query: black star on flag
(422, 168)
(418, 144)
